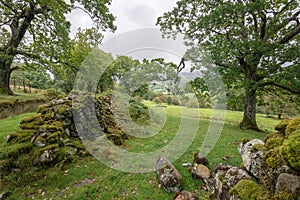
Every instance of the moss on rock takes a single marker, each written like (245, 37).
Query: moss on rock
(33, 122)
(50, 136)
(258, 147)
(292, 126)
(291, 150)
(282, 125)
(54, 126)
(15, 150)
(274, 158)
(31, 118)
(274, 142)
(21, 136)
(247, 190)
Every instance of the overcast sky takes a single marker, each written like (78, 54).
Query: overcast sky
(132, 15)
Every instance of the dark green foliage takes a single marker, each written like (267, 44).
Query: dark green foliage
(138, 111)
(244, 42)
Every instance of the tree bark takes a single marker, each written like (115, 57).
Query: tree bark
(5, 77)
(249, 119)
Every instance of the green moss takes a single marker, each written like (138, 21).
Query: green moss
(274, 158)
(54, 126)
(247, 190)
(23, 161)
(222, 178)
(292, 126)
(76, 143)
(48, 116)
(245, 140)
(31, 118)
(284, 195)
(22, 136)
(116, 139)
(34, 124)
(291, 150)
(15, 150)
(258, 147)
(64, 110)
(273, 135)
(282, 125)
(39, 151)
(274, 142)
(54, 137)
(40, 139)
(43, 109)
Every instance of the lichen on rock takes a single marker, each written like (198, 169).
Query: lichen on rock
(50, 136)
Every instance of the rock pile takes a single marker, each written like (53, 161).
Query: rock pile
(270, 171)
(50, 136)
(271, 168)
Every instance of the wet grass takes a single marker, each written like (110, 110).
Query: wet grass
(63, 182)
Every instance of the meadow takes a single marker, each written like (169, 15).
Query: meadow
(88, 178)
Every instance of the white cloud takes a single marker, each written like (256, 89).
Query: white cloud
(130, 15)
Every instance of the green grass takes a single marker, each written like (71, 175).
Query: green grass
(22, 96)
(9, 125)
(59, 182)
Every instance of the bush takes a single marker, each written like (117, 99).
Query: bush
(52, 94)
(192, 103)
(139, 112)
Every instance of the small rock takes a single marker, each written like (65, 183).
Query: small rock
(15, 170)
(184, 195)
(167, 175)
(221, 189)
(39, 143)
(288, 182)
(187, 164)
(222, 167)
(200, 171)
(85, 181)
(234, 175)
(4, 195)
(8, 138)
(45, 157)
(198, 159)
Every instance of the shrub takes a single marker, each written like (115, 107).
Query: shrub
(139, 112)
(52, 94)
(192, 103)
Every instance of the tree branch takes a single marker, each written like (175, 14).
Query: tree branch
(13, 69)
(294, 91)
(290, 35)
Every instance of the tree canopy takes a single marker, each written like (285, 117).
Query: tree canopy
(252, 43)
(38, 31)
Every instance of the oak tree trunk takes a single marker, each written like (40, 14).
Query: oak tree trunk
(5, 77)
(249, 119)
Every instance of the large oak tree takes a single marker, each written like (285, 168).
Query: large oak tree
(37, 31)
(251, 42)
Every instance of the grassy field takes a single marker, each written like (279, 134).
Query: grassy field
(19, 95)
(65, 182)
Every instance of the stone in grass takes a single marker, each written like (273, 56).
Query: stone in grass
(184, 195)
(167, 175)
(288, 182)
(200, 171)
(198, 159)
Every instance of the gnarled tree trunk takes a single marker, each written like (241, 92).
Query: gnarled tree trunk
(5, 71)
(249, 119)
